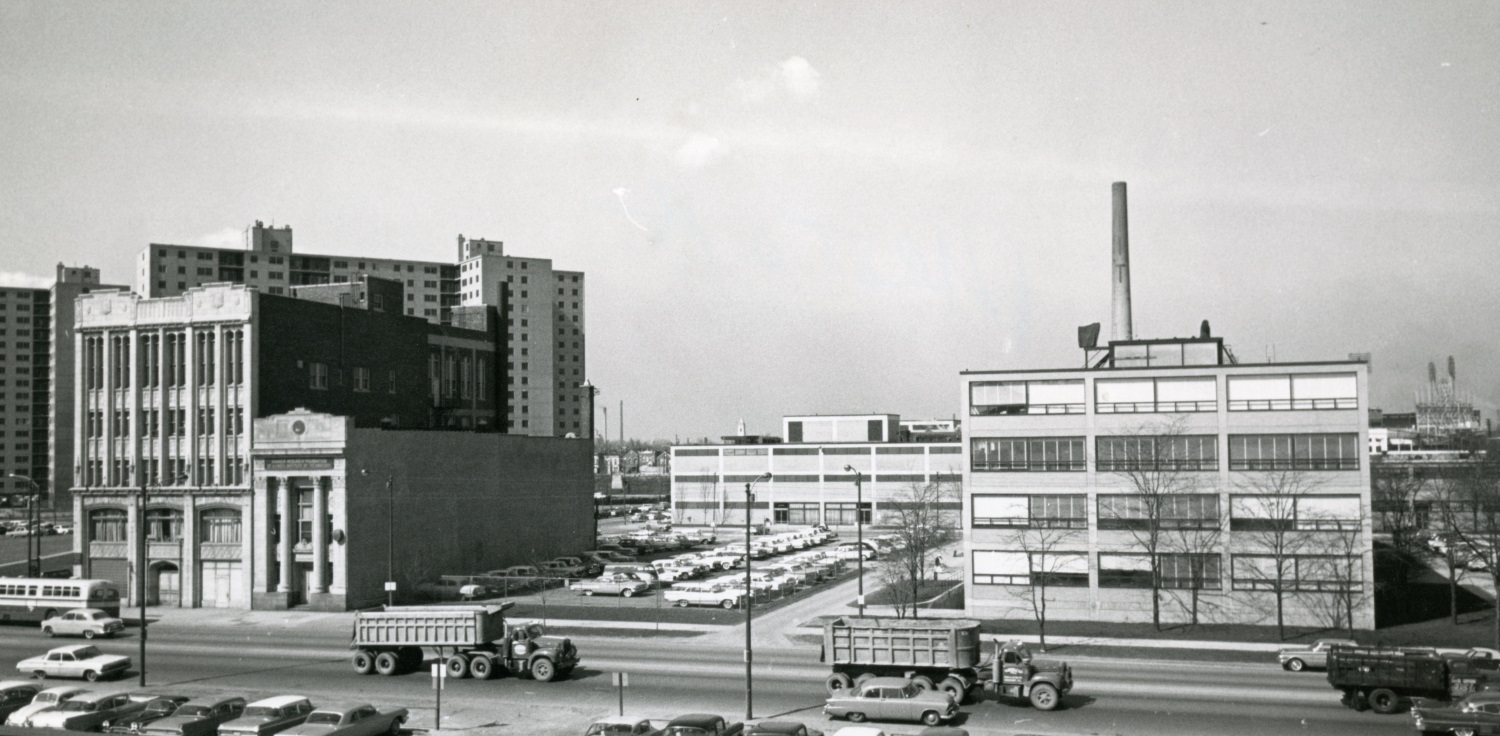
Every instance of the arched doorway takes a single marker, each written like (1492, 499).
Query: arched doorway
(164, 586)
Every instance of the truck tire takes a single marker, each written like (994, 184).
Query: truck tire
(1294, 665)
(481, 668)
(1043, 696)
(542, 669)
(856, 717)
(923, 683)
(838, 685)
(458, 667)
(387, 663)
(931, 718)
(363, 662)
(955, 687)
(1384, 701)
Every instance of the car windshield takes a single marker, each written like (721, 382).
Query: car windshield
(45, 698)
(331, 719)
(910, 691)
(262, 712)
(161, 705)
(77, 705)
(195, 711)
(610, 729)
(95, 615)
(86, 652)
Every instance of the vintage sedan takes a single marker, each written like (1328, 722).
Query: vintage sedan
(892, 699)
(1479, 713)
(620, 726)
(269, 716)
(198, 718)
(704, 594)
(701, 724)
(350, 720)
(157, 708)
(85, 622)
(15, 695)
(44, 700)
(87, 712)
(781, 728)
(1297, 659)
(614, 584)
(79, 660)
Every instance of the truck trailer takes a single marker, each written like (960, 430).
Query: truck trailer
(470, 641)
(1384, 679)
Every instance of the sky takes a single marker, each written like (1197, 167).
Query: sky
(818, 207)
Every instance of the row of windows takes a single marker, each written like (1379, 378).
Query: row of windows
(215, 526)
(121, 473)
(175, 424)
(1172, 511)
(833, 514)
(1295, 573)
(1191, 452)
(1185, 394)
(164, 363)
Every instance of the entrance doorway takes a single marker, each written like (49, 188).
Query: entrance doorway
(164, 586)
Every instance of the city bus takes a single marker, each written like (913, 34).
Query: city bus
(35, 599)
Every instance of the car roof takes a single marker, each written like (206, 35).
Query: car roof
(696, 719)
(94, 697)
(769, 727)
(8, 684)
(887, 681)
(619, 721)
(61, 689)
(279, 701)
(70, 648)
(342, 707)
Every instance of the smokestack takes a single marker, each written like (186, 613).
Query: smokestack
(1432, 373)
(1120, 326)
(1452, 371)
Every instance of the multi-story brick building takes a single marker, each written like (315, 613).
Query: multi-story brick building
(1166, 469)
(546, 329)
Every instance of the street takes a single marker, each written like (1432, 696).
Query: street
(673, 676)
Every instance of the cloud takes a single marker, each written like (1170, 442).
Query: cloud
(795, 76)
(699, 150)
(18, 280)
(799, 77)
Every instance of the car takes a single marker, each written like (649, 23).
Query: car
(87, 712)
(1296, 659)
(892, 699)
(701, 724)
(781, 728)
(44, 700)
(269, 716)
(620, 726)
(1477, 713)
(79, 660)
(198, 717)
(157, 708)
(587, 567)
(15, 695)
(943, 731)
(85, 622)
(704, 594)
(611, 584)
(850, 551)
(350, 720)
(859, 731)
(558, 569)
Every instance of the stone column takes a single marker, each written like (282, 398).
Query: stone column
(135, 526)
(285, 506)
(320, 536)
(188, 582)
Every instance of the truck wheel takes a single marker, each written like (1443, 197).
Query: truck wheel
(923, 682)
(955, 687)
(1384, 701)
(856, 717)
(458, 667)
(1043, 696)
(931, 718)
(682, 604)
(542, 669)
(838, 685)
(481, 668)
(363, 663)
(387, 663)
(1295, 665)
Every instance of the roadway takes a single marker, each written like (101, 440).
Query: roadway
(672, 676)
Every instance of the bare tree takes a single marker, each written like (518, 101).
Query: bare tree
(1336, 562)
(893, 576)
(1396, 500)
(1191, 565)
(922, 524)
(1267, 513)
(1049, 562)
(1161, 466)
(1471, 510)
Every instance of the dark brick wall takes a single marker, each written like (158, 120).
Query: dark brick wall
(465, 503)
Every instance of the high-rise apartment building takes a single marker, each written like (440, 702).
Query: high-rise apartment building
(546, 326)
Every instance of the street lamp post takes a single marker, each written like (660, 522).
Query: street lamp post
(859, 533)
(141, 565)
(34, 522)
(749, 597)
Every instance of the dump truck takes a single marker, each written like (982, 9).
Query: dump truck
(938, 654)
(1386, 679)
(470, 641)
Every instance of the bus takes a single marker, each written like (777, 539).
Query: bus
(36, 599)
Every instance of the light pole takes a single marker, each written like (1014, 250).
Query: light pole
(34, 521)
(749, 598)
(390, 538)
(859, 534)
(141, 566)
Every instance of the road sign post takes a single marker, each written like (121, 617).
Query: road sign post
(620, 680)
(439, 674)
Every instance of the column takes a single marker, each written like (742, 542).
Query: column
(188, 577)
(320, 535)
(190, 400)
(134, 528)
(133, 405)
(221, 408)
(107, 359)
(284, 506)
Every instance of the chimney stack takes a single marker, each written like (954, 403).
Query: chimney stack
(1120, 324)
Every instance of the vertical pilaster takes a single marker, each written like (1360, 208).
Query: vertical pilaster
(320, 535)
(285, 506)
(134, 528)
(189, 568)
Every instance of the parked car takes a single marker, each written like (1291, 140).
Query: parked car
(611, 584)
(781, 728)
(850, 551)
(87, 712)
(15, 695)
(1315, 656)
(350, 720)
(556, 569)
(79, 660)
(269, 716)
(859, 731)
(589, 567)
(892, 699)
(701, 724)
(157, 708)
(44, 700)
(198, 718)
(1478, 713)
(85, 622)
(620, 726)
(704, 594)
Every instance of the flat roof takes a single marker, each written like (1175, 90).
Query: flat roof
(1200, 368)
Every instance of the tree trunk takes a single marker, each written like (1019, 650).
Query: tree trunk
(1280, 618)
(1452, 586)
(1041, 619)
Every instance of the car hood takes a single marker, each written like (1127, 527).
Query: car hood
(1293, 650)
(311, 729)
(26, 711)
(175, 721)
(55, 718)
(247, 723)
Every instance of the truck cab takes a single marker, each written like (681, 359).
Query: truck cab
(1017, 674)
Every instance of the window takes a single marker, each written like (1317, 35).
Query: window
(795, 513)
(362, 380)
(219, 526)
(1282, 393)
(1252, 513)
(1294, 452)
(1308, 573)
(1001, 511)
(1138, 512)
(842, 514)
(1139, 395)
(1036, 512)
(107, 525)
(1189, 571)
(1124, 571)
(1172, 452)
(163, 525)
(1033, 454)
(991, 398)
(317, 374)
(992, 567)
